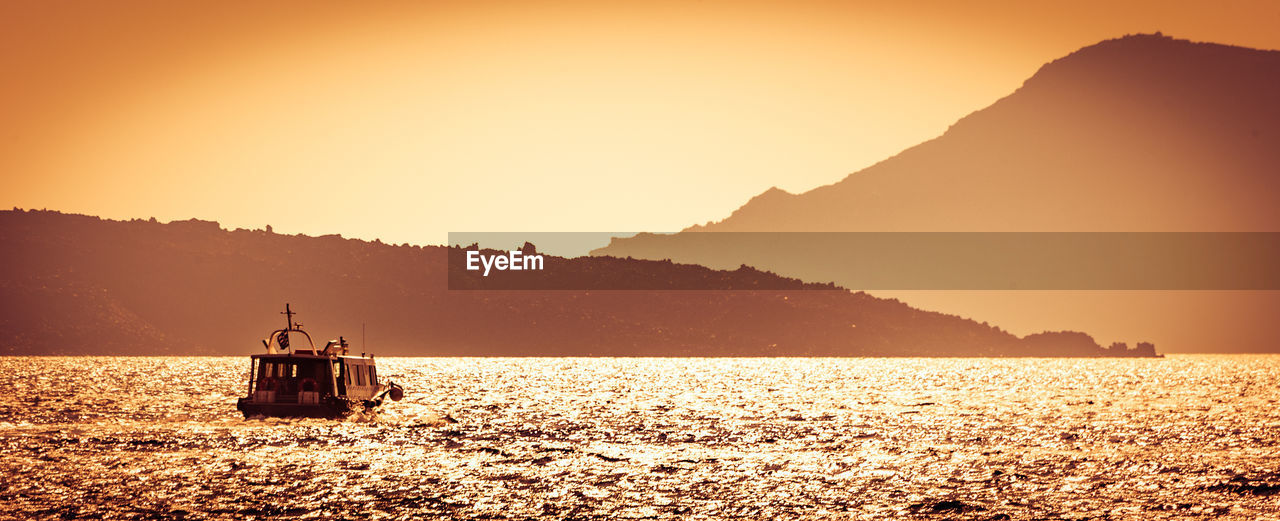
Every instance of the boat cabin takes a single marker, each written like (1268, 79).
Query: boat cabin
(307, 378)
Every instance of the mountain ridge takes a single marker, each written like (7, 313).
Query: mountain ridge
(1106, 77)
(1144, 133)
(79, 285)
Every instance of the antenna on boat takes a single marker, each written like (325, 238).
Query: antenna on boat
(288, 314)
(362, 343)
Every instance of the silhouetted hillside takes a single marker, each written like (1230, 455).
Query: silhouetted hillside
(80, 285)
(1141, 133)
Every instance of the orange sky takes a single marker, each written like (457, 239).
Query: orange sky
(405, 120)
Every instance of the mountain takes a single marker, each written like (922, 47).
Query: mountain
(75, 285)
(1140, 133)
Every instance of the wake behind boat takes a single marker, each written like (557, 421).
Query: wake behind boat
(311, 383)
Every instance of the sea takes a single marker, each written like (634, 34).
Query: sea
(1182, 437)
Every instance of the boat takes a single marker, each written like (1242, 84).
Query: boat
(305, 382)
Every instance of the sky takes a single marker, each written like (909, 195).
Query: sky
(403, 121)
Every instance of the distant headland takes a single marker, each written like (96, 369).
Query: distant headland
(80, 285)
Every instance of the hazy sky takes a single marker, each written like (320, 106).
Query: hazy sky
(406, 120)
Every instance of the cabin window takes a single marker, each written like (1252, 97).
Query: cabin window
(347, 371)
(373, 375)
(359, 375)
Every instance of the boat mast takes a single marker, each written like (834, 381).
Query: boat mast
(281, 336)
(288, 315)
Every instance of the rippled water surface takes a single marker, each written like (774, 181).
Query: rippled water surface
(1175, 438)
